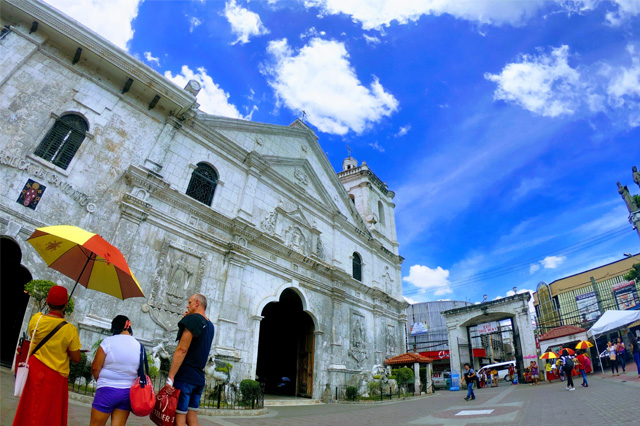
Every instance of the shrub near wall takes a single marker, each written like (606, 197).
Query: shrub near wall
(250, 390)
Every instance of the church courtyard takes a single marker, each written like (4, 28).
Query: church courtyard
(606, 401)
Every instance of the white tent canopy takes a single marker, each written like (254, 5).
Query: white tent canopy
(612, 320)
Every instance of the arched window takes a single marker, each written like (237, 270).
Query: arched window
(381, 213)
(203, 183)
(63, 140)
(357, 266)
(353, 198)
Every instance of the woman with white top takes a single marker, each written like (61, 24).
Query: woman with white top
(115, 367)
(613, 358)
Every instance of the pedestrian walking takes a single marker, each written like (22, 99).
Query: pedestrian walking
(583, 362)
(195, 335)
(494, 378)
(115, 368)
(567, 366)
(469, 378)
(45, 397)
(635, 351)
(622, 354)
(613, 358)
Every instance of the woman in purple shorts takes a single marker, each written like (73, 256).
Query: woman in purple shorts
(115, 367)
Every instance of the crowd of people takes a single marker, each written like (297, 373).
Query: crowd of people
(45, 397)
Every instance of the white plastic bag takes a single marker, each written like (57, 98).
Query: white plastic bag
(21, 379)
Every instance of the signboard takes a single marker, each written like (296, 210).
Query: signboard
(488, 327)
(626, 295)
(418, 328)
(588, 307)
(437, 355)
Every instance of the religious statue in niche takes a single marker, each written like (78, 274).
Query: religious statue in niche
(269, 222)
(390, 341)
(296, 240)
(358, 346)
(320, 248)
(386, 280)
(181, 274)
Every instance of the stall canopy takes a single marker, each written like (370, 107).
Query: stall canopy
(561, 336)
(612, 320)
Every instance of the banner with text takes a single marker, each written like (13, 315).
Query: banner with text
(588, 307)
(488, 327)
(418, 328)
(626, 295)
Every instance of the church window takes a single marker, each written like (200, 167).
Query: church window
(62, 141)
(381, 213)
(357, 267)
(203, 183)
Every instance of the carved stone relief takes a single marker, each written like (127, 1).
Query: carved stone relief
(269, 222)
(301, 176)
(296, 240)
(177, 277)
(390, 341)
(386, 280)
(320, 248)
(358, 346)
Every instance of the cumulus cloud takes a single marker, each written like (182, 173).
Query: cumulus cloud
(212, 98)
(193, 23)
(320, 80)
(549, 262)
(371, 39)
(626, 10)
(427, 279)
(544, 84)
(376, 146)
(112, 19)
(547, 85)
(151, 59)
(244, 23)
(381, 13)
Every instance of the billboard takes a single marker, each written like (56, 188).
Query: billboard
(418, 328)
(626, 295)
(488, 327)
(588, 307)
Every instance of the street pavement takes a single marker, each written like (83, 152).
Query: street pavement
(607, 401)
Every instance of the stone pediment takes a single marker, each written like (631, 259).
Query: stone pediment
(291, 227)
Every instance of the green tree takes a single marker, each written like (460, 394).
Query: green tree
(39, 289)
(404, 375)
(634, 273)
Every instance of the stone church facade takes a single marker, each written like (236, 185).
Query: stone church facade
(292, 256)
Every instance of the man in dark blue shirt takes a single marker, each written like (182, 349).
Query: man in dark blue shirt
(195, 336)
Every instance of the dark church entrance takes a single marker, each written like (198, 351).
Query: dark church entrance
(13, 277)
(285, 350)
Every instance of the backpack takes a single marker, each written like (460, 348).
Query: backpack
(568, 363)
(587, 362)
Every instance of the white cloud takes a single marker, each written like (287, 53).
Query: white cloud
(151, 59)
(380, 13)
(321, 81)
(547, 85)
(112, 19)
(376, 146)
(402, 131)
(244, 23)
(212, 98)
(371, 39)
(527, 185)
(410, 300)
(543, 84)
(627, 9)
(552, 262)
(312, 33)
(425, 278)
(193, 23)
(534, 267)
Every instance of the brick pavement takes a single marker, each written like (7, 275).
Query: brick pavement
(609, 401)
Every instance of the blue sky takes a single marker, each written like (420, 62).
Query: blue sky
(502, 126)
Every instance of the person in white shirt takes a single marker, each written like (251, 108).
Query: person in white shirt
(115, 367)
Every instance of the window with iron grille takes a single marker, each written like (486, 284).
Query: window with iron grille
(357, 267)
(203, 183)
(63, 140)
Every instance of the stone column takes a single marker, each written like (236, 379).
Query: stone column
(454, 333)
(416, 378)
(337, 337)
(429, 378)
(228, 316)
(256, 165)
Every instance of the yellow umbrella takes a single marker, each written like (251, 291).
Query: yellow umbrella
(584, 344)
(549, 355)
(87, 258)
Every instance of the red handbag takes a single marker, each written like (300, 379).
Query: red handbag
(142, 396)
(164, 412)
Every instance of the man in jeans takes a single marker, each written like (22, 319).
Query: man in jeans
(195, 336)
(469, 378)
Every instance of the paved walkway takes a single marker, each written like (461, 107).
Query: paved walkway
(607, 401)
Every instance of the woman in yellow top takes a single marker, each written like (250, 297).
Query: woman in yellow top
(45, 397)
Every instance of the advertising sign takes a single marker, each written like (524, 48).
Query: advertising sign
(588, 307)
(626, 295)
(418, 328)
(488, 327)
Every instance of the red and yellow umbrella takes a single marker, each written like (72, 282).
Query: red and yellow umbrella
(569, 351)
(87, 258)
(549, 355)
(584, 344)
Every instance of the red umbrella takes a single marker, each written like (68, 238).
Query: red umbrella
(569, 351)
